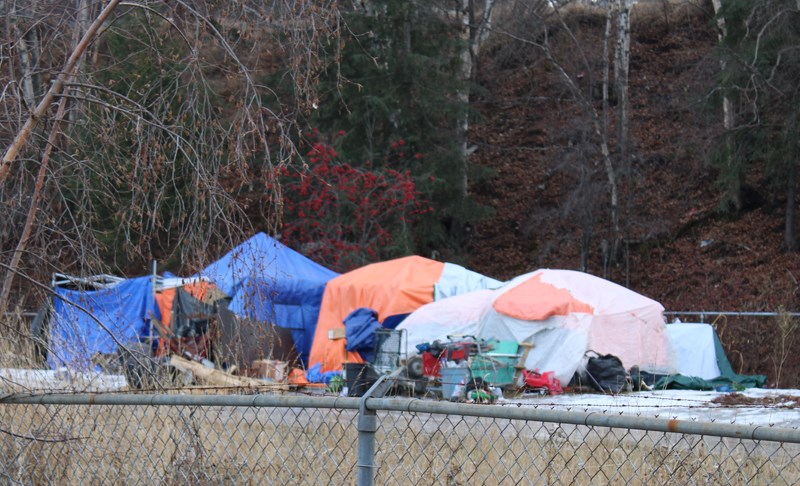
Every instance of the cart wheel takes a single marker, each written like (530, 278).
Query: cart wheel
(415, 367)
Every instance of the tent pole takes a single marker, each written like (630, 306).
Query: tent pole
(150, 331)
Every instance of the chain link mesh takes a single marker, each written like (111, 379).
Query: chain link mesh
(423, 448)
(294, 444)
(75, 444)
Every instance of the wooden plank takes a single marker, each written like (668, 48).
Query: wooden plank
(526, 348)
(211, 376)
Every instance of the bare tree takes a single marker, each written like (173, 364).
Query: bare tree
(580, 84)
(728, 114)
(475, 27)
(622, 55)
(759, 49)
(166, 137)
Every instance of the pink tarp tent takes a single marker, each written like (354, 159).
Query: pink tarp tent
(567, 314)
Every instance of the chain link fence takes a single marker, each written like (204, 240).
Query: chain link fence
(287, 439)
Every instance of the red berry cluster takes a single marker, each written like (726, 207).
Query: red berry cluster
(345, 216)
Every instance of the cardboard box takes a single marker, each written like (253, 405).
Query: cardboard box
(336, 334)
(269, 369)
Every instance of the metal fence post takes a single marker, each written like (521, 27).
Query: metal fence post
(367, 426)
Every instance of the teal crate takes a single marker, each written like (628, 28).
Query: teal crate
(497, 370)
(503, 347)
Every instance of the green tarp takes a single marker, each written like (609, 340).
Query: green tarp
(728, 378)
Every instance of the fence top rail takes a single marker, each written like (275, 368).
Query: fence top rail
(255, 400)
(594, 419)
(414, 405)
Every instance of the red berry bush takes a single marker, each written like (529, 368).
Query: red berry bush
(345, 216)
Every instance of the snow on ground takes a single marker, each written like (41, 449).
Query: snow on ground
(25, 380)
(682, 405)
(778, 408)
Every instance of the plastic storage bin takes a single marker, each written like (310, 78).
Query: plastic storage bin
(451, 377)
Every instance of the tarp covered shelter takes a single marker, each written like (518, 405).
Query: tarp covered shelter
(564, 313)
(459, 315)
(269, 282)
(702, 362)
(123, 309)
(393, 289)
(695, 348)
(568, 313)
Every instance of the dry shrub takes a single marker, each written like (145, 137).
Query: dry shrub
(18, 347)
(787, 326)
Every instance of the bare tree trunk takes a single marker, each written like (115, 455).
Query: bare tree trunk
(727, 112)
(55, 89)
(27, 45)
(473, 37)
(728, 120)
(621, 68)
(605, 129)
(790, 237)
(81, 25)
(466, 13)
(727, 105)
(30, 219)
(26, 65)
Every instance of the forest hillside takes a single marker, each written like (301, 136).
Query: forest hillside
(685, 250)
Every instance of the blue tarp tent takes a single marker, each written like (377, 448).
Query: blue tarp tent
(124, 309)
(270, 282)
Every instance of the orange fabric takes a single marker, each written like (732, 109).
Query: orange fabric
(390, 288)
(199, 290)
(534, 300)
(166, 299)
(298, 377)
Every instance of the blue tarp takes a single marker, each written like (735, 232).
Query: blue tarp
(359, 329)
(124, 309)
(270, 282)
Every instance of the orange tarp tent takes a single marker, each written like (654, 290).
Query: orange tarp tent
(390, 288)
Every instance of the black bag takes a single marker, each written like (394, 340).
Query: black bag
(606, 374)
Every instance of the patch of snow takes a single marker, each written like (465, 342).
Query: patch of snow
(677, 404)
(30, 380)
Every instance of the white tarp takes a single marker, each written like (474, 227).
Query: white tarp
(564, 313)
(457, 315)
(457, 280)
(694, 349)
